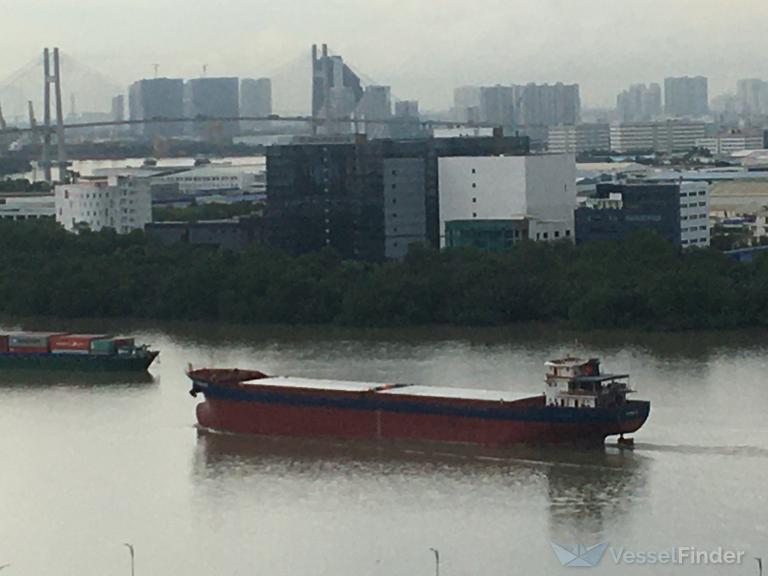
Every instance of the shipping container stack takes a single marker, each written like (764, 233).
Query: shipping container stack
(64, 343)
(74, 343)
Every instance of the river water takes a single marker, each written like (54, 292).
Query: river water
(89, 463)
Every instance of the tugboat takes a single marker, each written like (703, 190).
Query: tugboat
(73, 352)
(579, 405)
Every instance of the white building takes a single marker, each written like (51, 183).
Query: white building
(670, 136)
(27, 207)
(694, 214)
(118, 202)
(579, 138)
(215, 178)
(540, 189)
(727, 144)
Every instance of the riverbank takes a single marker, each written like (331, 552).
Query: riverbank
(643, 284)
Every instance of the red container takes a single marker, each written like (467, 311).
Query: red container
(124, 342)
(73, 342)
(28, 349)
(3, 343)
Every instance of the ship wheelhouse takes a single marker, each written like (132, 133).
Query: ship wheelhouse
(578, 383)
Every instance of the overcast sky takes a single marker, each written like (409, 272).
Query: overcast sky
(423, 48)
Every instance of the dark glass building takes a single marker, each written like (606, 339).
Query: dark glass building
(368, 200)
(617, 210)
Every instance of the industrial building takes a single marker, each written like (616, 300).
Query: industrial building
(121, 203)
(368, 199)
(676, 211)
(534, 195)
(27, 206)
(157, 98)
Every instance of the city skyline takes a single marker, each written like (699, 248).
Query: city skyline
(554, 42)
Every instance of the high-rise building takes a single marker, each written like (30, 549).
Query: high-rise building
(466, 104)
(498, 105)
(118, 108)
(157, 98)
(212, 99)
(376, 104)
(513, 106)
(336, 92)
(639, 103)
(255, 100)
(549, 105)
(752, 96)
(686, 96)
(408, 123)
(407, 109)
(369, 199)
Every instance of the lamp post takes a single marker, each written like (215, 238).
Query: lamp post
(130, 549)
(437, 561)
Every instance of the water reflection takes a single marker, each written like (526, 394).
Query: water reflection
(53, 378)
(588, 491)
(582, 492)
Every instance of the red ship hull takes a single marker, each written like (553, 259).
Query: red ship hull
(260, 410)
(296, 421)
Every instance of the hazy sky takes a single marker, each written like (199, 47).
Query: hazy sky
(423, 48)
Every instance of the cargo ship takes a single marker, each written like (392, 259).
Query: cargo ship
(75, 352)
(579, 405)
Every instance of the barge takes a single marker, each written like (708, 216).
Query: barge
(579, 405)
(73, 352)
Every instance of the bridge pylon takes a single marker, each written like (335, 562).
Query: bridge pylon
(53, 78)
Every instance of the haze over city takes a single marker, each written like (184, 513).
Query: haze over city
(422, 49)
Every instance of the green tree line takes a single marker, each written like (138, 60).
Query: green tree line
(198, 212)
(643, 282)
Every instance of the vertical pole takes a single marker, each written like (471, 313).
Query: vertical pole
(437, 561)
(130, 549)
(62, 155)
(47, 116)
(315, 99)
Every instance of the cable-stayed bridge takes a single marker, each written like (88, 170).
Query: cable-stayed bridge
(26, 104)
